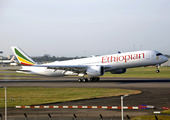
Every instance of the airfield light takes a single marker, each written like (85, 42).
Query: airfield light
(122, 104)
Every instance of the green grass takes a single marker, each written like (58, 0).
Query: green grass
(165, 112)
(151, 117)
(143, 72)
(140, 72)
(40, 95)
(15, 74)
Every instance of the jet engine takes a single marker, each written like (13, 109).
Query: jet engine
(118, 71)
(95, 71)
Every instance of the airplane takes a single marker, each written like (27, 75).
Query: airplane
(7, 61)
(92, 66)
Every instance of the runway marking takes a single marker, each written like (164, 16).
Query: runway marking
(157, 112)
(90, 107)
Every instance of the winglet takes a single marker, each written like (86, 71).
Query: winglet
(22, 57)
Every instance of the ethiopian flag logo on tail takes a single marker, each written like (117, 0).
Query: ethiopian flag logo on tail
(23, 58)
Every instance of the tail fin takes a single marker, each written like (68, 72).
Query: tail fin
(12, 59)
(22, 57)
(15, 61)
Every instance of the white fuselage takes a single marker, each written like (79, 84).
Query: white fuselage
(109, 62)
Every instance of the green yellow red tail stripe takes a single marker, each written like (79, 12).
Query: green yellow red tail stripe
(22, 57)
(25, 62)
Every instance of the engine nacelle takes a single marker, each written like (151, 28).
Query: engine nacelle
(95, 71)
(118, 71)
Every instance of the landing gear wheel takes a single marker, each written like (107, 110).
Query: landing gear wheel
(85, 80)
(97, 79)
(157, 71)
(80, 80)
(91, 79)
(94, 79)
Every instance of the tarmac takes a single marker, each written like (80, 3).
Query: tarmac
(155, 92)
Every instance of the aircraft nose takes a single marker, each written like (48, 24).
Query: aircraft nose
(165, 58)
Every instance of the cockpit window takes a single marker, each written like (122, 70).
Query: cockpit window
(158, 54)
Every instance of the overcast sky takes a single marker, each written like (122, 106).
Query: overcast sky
(84, 27)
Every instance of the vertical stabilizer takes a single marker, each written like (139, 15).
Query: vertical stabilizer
(22, 57)
(12, 59)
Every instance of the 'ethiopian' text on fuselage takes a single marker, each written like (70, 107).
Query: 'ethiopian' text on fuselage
(120, 58)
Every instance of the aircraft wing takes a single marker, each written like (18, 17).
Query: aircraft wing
(24, 70)
(74, 68)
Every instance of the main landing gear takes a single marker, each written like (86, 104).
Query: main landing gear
(82, 79)
(92, 79)
(157, 71)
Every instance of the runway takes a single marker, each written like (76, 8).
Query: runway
(105, 82)
(155, 92)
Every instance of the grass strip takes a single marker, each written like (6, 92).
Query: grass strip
(143, 72)
(41, 95)
(15, 74)
(166, 112)
(21, 78)
(151, 117)
(140, 72)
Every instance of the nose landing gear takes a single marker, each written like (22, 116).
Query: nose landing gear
(157, 71)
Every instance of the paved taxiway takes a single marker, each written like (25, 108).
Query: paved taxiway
(155, 92)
